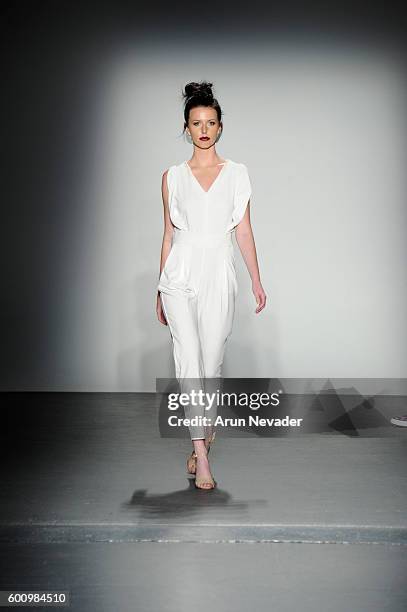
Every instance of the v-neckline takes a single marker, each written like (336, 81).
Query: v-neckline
(216, 178)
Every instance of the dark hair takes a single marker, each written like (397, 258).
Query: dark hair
(199, 94)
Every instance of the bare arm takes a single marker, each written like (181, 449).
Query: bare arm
(245, 241)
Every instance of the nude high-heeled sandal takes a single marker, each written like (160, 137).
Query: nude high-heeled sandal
(204, 480)
(191, 461)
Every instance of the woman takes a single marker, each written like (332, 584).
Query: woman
(205, 200)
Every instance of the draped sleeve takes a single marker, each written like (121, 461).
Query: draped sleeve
(171, 185)
(242, 194)
(175, 206)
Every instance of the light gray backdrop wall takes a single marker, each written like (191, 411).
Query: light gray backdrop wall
(320, 125)
(323, 139)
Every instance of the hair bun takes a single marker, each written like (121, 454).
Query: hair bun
(201, 90)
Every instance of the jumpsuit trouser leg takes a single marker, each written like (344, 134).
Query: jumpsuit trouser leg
(200, 321)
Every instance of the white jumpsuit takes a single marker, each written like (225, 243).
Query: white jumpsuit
(198, 283)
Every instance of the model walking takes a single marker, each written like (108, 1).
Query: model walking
(205, 199)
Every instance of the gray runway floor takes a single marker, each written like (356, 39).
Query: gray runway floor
(94, 500)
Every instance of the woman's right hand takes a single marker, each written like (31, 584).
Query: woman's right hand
(160, 312)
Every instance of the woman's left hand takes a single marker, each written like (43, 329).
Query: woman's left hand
(260, 296)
